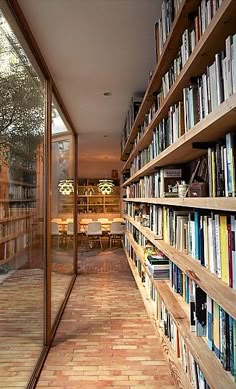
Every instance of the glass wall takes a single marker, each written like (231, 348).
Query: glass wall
(22, 136)
(62, 205)
(24, 245)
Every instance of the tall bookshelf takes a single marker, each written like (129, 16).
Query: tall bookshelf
(176, 127)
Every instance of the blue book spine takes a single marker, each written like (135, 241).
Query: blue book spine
(196, 222)
(187, 289)
(209, 322)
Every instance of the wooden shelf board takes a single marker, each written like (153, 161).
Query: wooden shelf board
(168, 54)
(214, 203)
(210, 43)
(210, 129)
(209, 282)
(210, 365)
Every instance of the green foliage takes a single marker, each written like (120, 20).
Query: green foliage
(21, 105)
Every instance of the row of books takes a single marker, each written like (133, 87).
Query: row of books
(20, 210)
(221, 167)
(17, 192)
(219, 172)
(10, 248)
(163, 183)
(200, 20)
(208, 91)
(169, 10)
(130, 118)
(190, 37)
(203, 95)
(137, 235)
(208, 319)
(209, 237)
(170, 330)
(166, 321)
(15, 226)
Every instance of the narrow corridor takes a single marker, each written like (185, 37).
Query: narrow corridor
(105, 338)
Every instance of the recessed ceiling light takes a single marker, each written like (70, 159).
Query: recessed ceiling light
(107, 94)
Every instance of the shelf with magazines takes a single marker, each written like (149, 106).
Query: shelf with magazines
(179, 342)
(180, 183)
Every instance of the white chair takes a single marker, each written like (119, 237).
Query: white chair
(116, 233)
(94, 233)
(55, 233)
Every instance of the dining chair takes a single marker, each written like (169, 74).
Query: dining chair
(116, 233)
(55, 233)
(94, 233)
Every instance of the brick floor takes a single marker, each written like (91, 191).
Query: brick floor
(21, 322)
(105, 338)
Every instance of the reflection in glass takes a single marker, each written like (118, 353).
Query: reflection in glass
(62, 234)
(21, 211)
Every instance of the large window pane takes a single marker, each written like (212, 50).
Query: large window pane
(21, 211)
(62, 237)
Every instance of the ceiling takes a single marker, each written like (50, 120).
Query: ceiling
(92, 47)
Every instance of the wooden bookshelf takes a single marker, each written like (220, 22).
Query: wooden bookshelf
(213, 127)
(209, 364)
(215, 203)
(209, 282)
(212, 40)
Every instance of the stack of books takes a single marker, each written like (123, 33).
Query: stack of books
(158, 266)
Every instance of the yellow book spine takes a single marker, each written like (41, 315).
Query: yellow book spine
(216, 328)
(224, 249)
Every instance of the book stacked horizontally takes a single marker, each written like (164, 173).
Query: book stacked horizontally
(158, 266)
